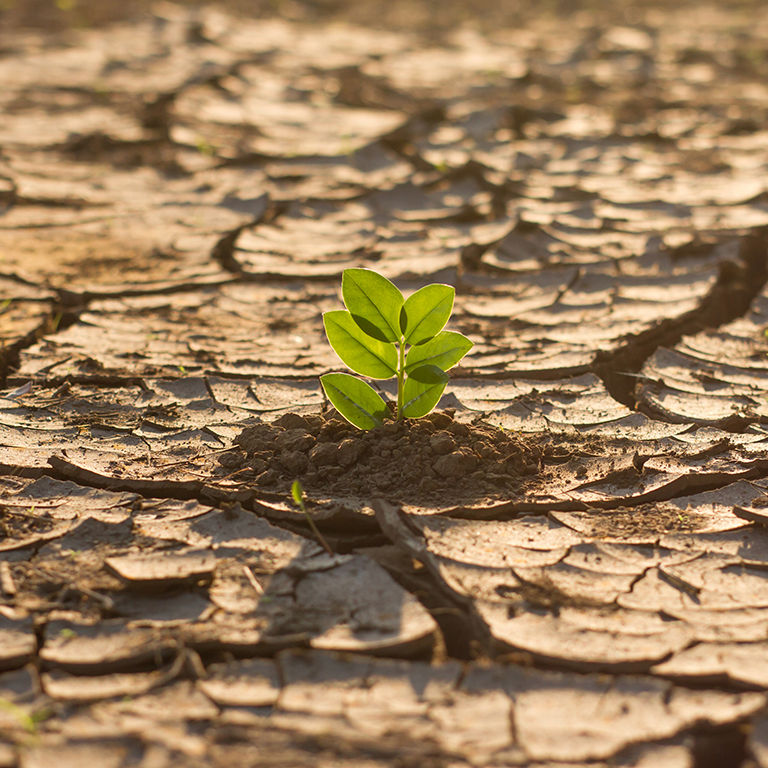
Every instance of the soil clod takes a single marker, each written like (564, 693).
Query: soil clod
(434, 460)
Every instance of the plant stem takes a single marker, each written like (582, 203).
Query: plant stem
(400, 379)
(298, 496)
(316, 531)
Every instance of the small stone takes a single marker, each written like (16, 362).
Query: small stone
(441, 443)
(456, 464)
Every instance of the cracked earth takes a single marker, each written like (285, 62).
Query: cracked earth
(565, 565)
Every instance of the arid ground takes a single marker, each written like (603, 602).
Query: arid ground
(565, 565)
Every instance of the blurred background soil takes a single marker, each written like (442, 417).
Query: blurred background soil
(429, 17)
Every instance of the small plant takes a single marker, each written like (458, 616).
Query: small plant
(298, 496)
(371, 337)
(28, 721)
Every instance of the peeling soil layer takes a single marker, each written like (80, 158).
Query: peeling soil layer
(564, 565)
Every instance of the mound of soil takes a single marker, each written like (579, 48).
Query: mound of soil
(427, 461)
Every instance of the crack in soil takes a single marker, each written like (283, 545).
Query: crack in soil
(518, 591)
(738, 285)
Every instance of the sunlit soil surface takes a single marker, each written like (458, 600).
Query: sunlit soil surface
(563, 565)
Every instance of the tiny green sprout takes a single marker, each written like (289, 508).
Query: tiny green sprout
(25, 720)
(347, 147)
(204, 147)
(298, 496)
(371, 336)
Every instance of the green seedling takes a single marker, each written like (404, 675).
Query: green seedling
(298, 496)
(204, 147)
(22, 717)
(383, 335)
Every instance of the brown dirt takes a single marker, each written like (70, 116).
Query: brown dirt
(434, 460)
(646, 519)
(178, 200)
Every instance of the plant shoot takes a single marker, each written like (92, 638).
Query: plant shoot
(383, 335)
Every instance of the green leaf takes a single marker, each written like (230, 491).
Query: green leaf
(374, 303)
(359, 403)
(298, 493)
(422, 390)
(444, 351)
(363, 354)
(427, 311)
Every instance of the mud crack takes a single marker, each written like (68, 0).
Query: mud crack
(738, 284)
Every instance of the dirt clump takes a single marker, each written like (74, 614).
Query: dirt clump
(431, 460)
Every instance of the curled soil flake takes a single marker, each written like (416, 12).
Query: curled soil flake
(434, 460)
